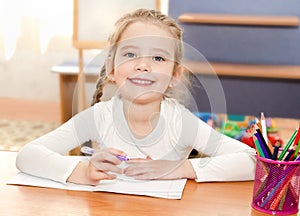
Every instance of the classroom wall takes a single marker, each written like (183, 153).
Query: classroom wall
(246, 45)
(242, 44)
(27, 75)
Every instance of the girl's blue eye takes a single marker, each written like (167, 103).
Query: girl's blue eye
(158, 58)
(130, 55)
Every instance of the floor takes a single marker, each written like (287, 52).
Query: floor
(29, 110)
(22, 121)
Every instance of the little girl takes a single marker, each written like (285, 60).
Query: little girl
(142, 121)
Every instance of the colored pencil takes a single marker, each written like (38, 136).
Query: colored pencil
(275, 184)
(281, 195)
(263, 127)
(258, 124)
(297, 150)
(296, 143)
(265, 153)
(289, 155)
(276, 150)
(263, 144)
(258, 147)
(297, 138)
(288, 145)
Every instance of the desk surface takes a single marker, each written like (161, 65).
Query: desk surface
(198, 199)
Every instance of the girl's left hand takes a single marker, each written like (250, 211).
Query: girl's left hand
(143, 169)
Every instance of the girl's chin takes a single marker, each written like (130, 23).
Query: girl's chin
(143, 98)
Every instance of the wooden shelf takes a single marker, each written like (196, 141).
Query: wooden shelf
(230, 19)
(245, 70)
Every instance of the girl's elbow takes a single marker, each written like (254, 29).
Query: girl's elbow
(20, 158)
(23, 157)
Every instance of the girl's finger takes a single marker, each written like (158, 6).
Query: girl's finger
(105, 167)
(97, 176)
(116, 152)
(135, 170)
(103, 156)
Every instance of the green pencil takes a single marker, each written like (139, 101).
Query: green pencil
(297, 150)
(288, 145)
(258, 147)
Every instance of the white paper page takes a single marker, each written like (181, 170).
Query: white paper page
(170, 189)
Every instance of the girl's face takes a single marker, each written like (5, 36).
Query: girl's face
(144, 62)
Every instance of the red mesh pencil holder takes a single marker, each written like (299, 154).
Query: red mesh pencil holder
(276, 186)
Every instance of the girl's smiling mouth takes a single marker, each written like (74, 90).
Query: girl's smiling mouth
(140, 81)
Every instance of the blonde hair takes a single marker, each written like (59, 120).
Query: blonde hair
(144, 15)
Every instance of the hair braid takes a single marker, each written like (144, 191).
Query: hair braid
(100, 85)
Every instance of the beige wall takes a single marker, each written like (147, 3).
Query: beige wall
(27, 73)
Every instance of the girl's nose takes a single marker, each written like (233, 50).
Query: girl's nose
(142, 64)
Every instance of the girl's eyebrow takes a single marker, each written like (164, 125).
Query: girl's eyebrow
(129, 47)
(165, 52)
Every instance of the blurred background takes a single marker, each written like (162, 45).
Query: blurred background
(40, 62)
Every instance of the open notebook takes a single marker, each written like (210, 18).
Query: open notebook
(170, 189)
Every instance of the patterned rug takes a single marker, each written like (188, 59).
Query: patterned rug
(16, 133)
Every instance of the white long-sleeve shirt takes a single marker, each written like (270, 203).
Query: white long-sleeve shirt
(177, 132)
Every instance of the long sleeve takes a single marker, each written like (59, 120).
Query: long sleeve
(225, 159)
(45, 156)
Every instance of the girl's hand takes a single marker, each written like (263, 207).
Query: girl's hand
(143, 169)
(100, 166)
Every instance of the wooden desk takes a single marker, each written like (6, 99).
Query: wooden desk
(198, 199)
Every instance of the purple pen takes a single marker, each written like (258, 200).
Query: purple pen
(122, 158)
(89, 151)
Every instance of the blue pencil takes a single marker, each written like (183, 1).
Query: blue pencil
(276, 150)
(291, 152)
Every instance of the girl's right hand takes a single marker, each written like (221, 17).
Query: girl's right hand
(100, 166)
